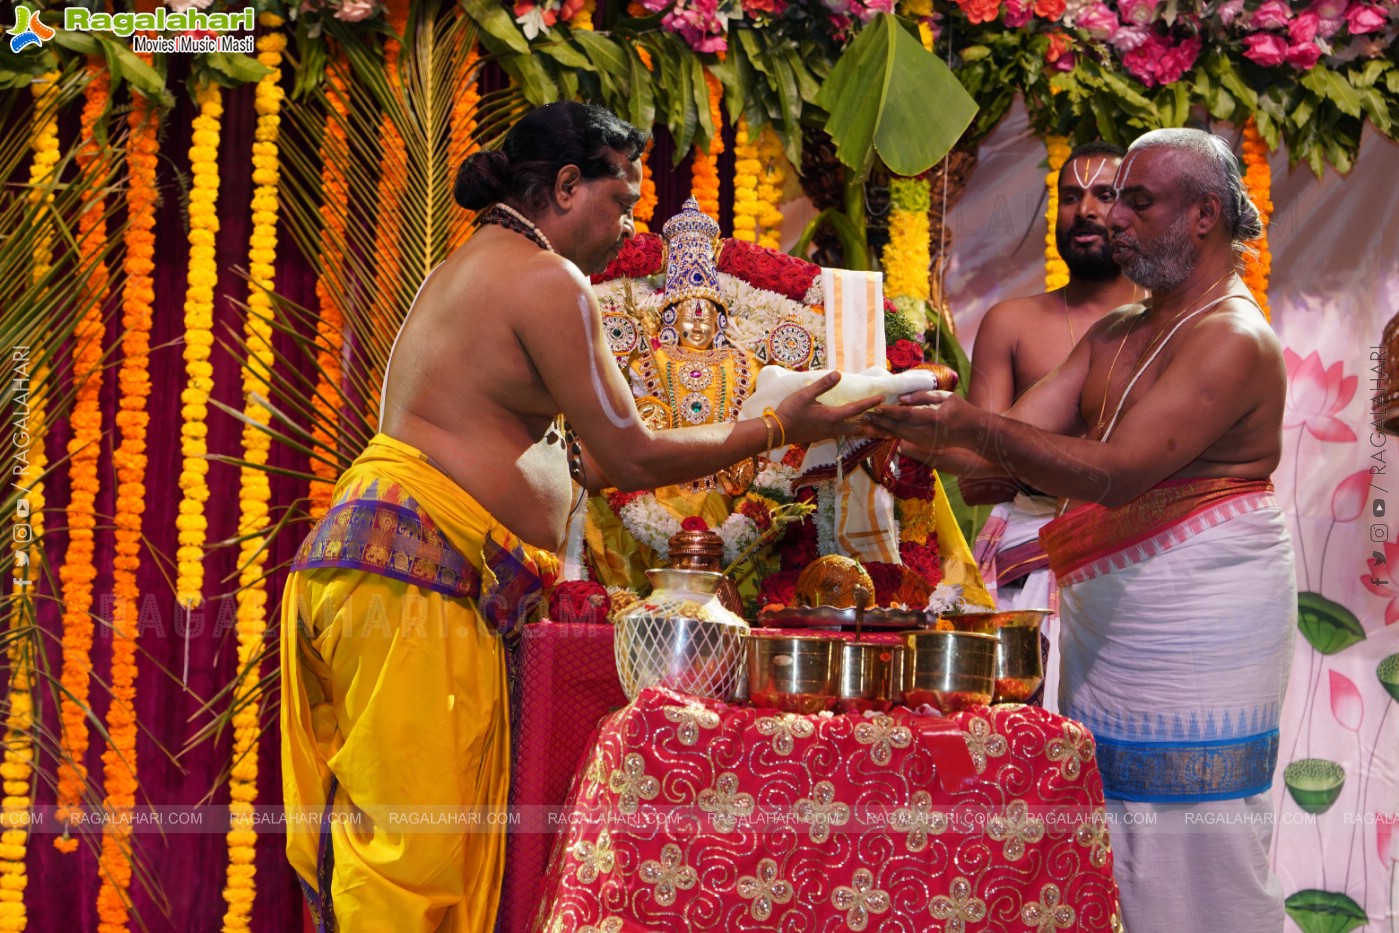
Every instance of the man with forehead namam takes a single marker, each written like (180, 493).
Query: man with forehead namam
(1178, 594)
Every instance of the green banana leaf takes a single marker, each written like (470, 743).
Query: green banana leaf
(889, 95)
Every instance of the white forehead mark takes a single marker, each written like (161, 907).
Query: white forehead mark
(1124, 172)
(618, 419)
(1078, 176)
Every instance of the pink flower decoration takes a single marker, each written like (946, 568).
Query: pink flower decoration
(1386, 839)
(1228, 12)
(1346, 704)
(1315, 395)
(1130, 38)
(353, 11)
(1273, 14)
(1159, 61)
(1303, 55)
(1137, 12)
(1326, 27)
(1099, 21)
(1267, 49)
(1303, 28)
(1017, 13)
(1348, 501)
(1389, 588)
(1364, 17)
(1329, 9)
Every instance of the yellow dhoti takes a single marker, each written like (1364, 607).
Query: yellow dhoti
(395, 706)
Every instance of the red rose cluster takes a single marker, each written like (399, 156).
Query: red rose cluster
(924, 560)
(767, 268)
(580, 602)
(643, 254)
(915, 480)
(693, 523)
(903, 355)
(779, 589)
(895, 583)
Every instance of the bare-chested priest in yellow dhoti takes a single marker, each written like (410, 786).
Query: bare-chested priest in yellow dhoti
(442, 534)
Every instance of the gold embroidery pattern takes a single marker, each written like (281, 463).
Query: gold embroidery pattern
(632, 784)
(1071, 751)
(919, 820)
(691, 720)
(764, 890)
(859, 899)
(1015, 828)
(959, 908)
(594, 858)
(725, 804)
(1094, 837)
(822, 811)
(1047, 914)
(783, 729)
(669, 873)
(983, 743)
(884, 735)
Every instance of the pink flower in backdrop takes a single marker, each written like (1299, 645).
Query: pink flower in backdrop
(1099, 21)
(1364, 17)
(1228, 12)
(1346, 703)
(1160, 61)
(1272, 14)
(1348, 501)
(1328, 9)
(1137, 12)
(1315, 394)
(1130, 38)
(1303, 28)
(1386, 839)
(1017, 13)
(1326, 27)
(1265, 48)
(1388, 585)
(353, 11)
(1303, 55)
(1059, 55)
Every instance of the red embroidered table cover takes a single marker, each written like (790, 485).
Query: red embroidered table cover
(693, 815)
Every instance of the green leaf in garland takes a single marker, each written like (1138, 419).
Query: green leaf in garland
(497, 24)
(1388, 674)
(235, 69)
(888, 94)
(1325, 912)
(1314, 783)
(1327, 626)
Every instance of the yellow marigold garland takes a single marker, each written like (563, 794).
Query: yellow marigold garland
(908, 256)
(1258, 181)
(129, 459)
(78, 570)
(463, 139)
(1056, 271)
(645, 208)
(747, 170)
(388, 256)
(254, 490)
(199, 341)
(335, 194)
(704, 171)
(771, 182)
(17, 768)
(583, 19)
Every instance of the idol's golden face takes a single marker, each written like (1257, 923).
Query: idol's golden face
(697, 320)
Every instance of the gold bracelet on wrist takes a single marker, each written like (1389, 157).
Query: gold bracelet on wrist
(767, 424)
(780, 427)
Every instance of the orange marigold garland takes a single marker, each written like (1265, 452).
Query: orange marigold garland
(78, 570)
(335, 194)
(1056, 271)
(17, 768)
(254, 490)
(129, 459)
(771, 182)
(1258, 181)
(747, 172)
(463, 138)
(645, 209)
(704, 171)
(199, 341)
(393, 161)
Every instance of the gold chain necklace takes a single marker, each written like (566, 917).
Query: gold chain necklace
(1064, 294)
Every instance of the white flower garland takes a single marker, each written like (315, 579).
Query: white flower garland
(650, 523)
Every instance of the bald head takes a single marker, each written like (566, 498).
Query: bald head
(1205, 165)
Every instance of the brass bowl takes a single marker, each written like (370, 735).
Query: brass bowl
(794, 673)
(1019, 664)
(871, 677)
(949, 671)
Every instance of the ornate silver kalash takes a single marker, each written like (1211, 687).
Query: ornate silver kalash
(682, 636)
